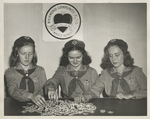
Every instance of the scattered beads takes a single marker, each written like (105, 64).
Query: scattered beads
(61, 107)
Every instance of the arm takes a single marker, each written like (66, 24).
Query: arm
(98, 85)
(53, 83)
(13, 89)
(94, 92)
(43, 80)
(140, 92)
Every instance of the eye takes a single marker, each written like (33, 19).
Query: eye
(70, 57)
(22, 53)
(31, 53)
(79, 57)
(117, 54)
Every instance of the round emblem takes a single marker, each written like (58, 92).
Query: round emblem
(36, 79)
(130, 81)
(62, 21)
(74, 42)
(113, 40)
(86, 82)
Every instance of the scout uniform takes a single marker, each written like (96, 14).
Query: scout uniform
(73, 83)
(136, 80)
(64, 79)
(22, 86)
(131, 81)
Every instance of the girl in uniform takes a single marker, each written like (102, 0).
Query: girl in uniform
(120, 78)
(74, 75)
(24, 78)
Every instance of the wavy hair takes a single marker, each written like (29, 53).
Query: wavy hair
(64, 58)
(128, 60)
(14, 59)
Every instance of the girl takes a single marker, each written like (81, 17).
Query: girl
(120, 78)
(74, 75)
(24, 78)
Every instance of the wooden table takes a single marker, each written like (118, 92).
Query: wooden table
(131, 107)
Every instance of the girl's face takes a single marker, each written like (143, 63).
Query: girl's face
(25, 54)
(75, 58)
(116, 56)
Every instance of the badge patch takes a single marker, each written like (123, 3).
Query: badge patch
(130, 81)
(36, 79)
(86, 82)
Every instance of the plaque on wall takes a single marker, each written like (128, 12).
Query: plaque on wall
(62, 21)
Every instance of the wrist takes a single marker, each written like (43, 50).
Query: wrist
(87, 97)
(30, 96)
(33, 97)
(50, 89)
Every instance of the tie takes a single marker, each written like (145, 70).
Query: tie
(124, 85)
(26, 82)
(76, 79)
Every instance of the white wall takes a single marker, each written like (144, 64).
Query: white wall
(101, 22)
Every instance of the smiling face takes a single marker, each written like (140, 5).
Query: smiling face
(25, 54)
(116, 56)
(75, 58)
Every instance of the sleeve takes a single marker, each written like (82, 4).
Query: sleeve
(53, 83)
(98, 85)
(94, 91)
(13, 89)
(43, 80)
(141, 91)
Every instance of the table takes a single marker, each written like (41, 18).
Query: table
(131, 107)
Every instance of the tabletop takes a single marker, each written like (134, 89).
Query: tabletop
(116, 107)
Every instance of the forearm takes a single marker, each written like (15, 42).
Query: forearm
(42, 82)
(141, 90)
(49, 86)
(139, 94)
(19, 94)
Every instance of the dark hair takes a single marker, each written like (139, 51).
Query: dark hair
(64, 58)
(128, 60)
(19, 43)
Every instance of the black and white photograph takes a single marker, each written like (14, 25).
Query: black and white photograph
(84, 58)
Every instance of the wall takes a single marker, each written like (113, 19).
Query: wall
(101, 22)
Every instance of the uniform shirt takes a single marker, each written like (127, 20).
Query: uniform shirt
(136, 80)
(13, 79)
(62, 78)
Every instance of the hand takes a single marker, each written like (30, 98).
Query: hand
(52, 95)
(87, 97)
(79, 99)
(38, 100)
(124, 96)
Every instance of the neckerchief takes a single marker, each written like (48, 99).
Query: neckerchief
(76, 79)
(124, 85)
(26, 80)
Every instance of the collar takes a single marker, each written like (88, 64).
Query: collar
(113, 70)
(82, 68)
(18, 66)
